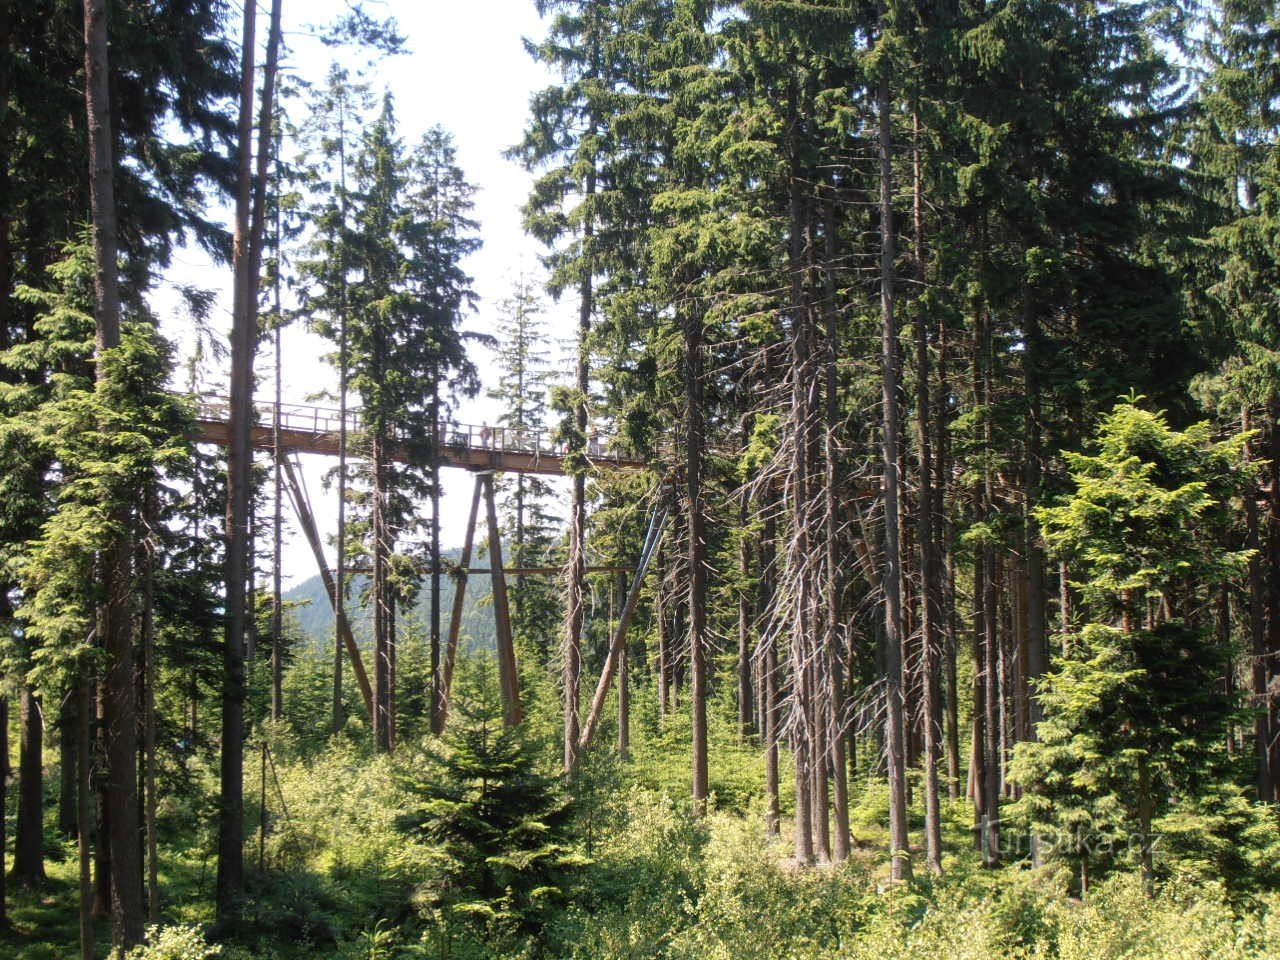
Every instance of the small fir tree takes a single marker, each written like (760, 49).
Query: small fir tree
(499, 823)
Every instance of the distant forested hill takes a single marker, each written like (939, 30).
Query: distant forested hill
(311, 608)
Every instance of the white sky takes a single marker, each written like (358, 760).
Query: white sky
(467, 70)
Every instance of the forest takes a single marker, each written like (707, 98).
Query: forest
(894, 573)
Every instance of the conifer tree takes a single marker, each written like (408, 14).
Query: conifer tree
(522, 388)
(440, 236)
(1135, 710)
(563, 143)
(332, 126)
(1234, 155)
(499, 823)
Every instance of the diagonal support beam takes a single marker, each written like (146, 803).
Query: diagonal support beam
(657, 524)
(307, 520)
(459, 600)
(508, 673)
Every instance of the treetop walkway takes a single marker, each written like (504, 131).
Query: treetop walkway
(307, 428)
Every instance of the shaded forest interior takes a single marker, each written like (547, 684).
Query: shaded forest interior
(913, 589)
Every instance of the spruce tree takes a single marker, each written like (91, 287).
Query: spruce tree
(1135, 708)
(530, 526)
(499, 823)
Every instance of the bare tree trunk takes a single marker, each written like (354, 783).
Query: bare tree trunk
(393, 645)
(575, 572)
(572, 650)
(67, 721)
(930, 587)
(834, 566)
(437, 686)
(381, 599)
(768, 654)
(84, 812)
(102, 826)
(976, 762)
(1257, 638)
(820, 757)
(230, 880)
(948, 595)
(28, 853)
(115, 619)
(340, 591)
(662, 614)
(899, 849)
(4, 800)
(149, 676)
(746, 707)
(1035, 660)
(802, 750)
(989, 599)
(624, 671)
(277, 549)
(277, 463)
(694, 441)
(1271, 663)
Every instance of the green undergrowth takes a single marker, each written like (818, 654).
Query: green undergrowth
(342, 876)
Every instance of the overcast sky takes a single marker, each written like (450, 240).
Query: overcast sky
(468, 71)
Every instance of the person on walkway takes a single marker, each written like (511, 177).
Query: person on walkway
(485, 435)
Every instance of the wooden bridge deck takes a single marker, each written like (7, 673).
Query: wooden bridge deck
(312, 429)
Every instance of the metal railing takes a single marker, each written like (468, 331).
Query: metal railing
(309, 418)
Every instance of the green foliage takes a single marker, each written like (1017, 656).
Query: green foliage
(103, 439)
(1148, 508)
(1134, 718)
(181, 942)
(500, 851)
(721, 890)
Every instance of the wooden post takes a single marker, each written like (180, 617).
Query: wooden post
(510, 678)
(455, 617)
(302, 507)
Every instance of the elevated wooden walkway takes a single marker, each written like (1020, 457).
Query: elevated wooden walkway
(312, 429)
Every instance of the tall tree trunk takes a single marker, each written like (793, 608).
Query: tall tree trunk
(948, 595)
(277, 542)
(230, 881)
(576, 569)
(662, 614)
(381, 599)
(1036, 657)
(977, 763)
(437, 686)
(1257, 639)
(899, 850)
(1271, 663)
(930, 587)
(746, 707)
(149, 678)
(393, 641)
(991, 690)
(4, 801)
(102, 825)
(340, 592)
(84, 811)
(768, 654)
(67, 725)
(833, 561)
(277, 464)
(624, 670)
(115, 619)
(694, 441)
(28, 853)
